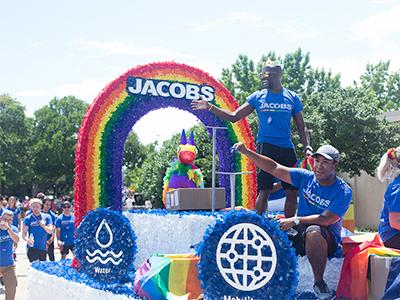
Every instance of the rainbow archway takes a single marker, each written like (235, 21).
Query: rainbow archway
(108, 121)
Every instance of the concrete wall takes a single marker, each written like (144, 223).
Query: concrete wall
(368, 194)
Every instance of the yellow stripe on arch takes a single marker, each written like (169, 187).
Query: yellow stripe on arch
(97, 144)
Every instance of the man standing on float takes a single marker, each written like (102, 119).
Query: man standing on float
(275, 107)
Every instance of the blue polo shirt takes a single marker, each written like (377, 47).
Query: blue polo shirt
(315, 198)
(6, 247)
(391, 204)
(67, 228)
(53, 218)
(275, 112)
(16, 211)
(39, 234)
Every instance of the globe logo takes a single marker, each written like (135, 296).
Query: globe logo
(246, 257)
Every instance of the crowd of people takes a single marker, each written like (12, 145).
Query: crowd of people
(37, 223)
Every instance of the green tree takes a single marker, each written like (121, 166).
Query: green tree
(134, 156)
(384, 85)
(156, 164)
(15, 138)
(347, 119)
(134, 152)
(56, 128)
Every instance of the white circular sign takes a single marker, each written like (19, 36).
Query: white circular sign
(252, 240)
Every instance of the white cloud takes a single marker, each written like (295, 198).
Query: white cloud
(350, 68)
(383, 1)
(292, 30)
(379, 30)
(86, 90)
(34, 93)
(123, 48)
(230, 19)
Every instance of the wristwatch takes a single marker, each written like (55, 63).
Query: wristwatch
(296, 221)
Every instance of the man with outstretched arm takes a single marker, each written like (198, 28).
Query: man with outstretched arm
(275, 106)
(323, 200)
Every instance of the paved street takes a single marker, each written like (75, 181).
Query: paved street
(22, 271)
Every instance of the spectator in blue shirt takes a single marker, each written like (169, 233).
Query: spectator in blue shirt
(389, 226)
(323, 200)
(47, 203)
(276, 106)
(8, 237)
(36, 225)
(12, 205)
(65, 230)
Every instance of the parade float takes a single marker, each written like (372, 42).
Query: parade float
(163, 254)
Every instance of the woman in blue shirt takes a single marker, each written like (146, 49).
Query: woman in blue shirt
(12, 205)
(389, 227)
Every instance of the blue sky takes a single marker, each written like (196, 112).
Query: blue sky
(59, 48)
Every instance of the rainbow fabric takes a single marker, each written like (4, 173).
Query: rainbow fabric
(392, 153)
(306, 163)
(353, 276)
(110, 118)
(168, 277)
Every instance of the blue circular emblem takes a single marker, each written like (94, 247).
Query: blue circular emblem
(246, 256)
(105, 246)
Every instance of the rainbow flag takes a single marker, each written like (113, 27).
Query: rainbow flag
(172, 276)
(353, 276)
(306, 163)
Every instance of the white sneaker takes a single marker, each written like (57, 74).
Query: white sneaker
(323, 292)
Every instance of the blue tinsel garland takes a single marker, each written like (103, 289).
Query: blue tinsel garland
(64, 270)
(283, 283)
(124, 240)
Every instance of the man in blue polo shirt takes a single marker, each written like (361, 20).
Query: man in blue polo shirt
(37, 226)
(65, 230)
(8, 237)
(323, 201)
(275, 107)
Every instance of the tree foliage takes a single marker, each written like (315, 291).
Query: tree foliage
(384, 85)
(347, 119)
(15, 138)
(156, 164)
(55, 136)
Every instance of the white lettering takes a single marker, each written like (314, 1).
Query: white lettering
(137, 88)
(208, 93)
(285, 106)
(315, 198)
(160, 90)
(174, 87)
(149, 87)
(237, 298)
(102, 270)
(169, 89)
(192, 92)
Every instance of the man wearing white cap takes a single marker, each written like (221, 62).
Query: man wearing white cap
(35, 228)
(323, 200)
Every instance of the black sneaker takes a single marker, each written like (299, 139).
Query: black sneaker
(322, 292)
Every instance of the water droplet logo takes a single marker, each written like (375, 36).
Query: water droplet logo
(98, 255)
